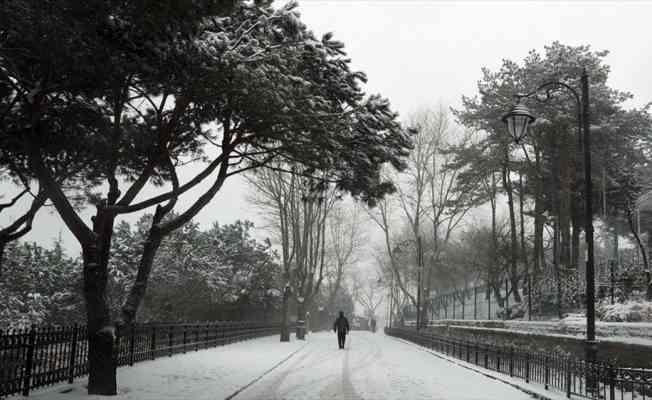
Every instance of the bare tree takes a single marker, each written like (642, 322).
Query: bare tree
(432, 200)
(449, 200)
(368, 294)
(345, 238)
(397, 262)
(297, 209)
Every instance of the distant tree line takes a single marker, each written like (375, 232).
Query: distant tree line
(221, 273)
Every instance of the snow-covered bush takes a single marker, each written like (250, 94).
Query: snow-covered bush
(631, 311)
(39, 286)
(514, 311)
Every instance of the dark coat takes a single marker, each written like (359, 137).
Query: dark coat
(341, 325)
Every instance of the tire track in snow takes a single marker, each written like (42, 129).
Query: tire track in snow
(324, 356)
(232, 395)
(353, 361)
(269, 388)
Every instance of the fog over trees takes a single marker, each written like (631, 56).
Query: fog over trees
(102, 99)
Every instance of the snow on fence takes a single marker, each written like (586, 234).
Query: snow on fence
(566, 374)
(36, 357)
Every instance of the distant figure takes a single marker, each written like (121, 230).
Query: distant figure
(341, 326)
(373, 325)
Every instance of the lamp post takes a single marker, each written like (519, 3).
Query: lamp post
(517, 121)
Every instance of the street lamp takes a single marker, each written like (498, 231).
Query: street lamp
(517, 121)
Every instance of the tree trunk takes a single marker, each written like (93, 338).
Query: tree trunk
(564, 230)
(492, 278)
(556, 250)
(568, 183)
(285, 329)
(101, 332)
(521, 196)
(641, 247)
(301, 316)
(496, 286)
(575, 239)
(513, 271)
(3, 244)
(139, 287)
(556, 266)
(335, 288)
(538, 217)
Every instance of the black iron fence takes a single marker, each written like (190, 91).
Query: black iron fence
(569, 375)
(36, 357)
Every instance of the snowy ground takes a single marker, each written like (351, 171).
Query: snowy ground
(207, 374)
(372, 367)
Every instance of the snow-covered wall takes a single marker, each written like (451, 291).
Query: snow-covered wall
(619, 343)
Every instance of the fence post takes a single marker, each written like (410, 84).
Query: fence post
(132, 344)
(612, 382)
(506, 298)
(153, 343)
(453, 296)
(498, 360)
(463, 301)
(546, 372)
(486, 358)
(73, 352)
(527, 367)
(432, 310)
(511, 361)
(475, 302)
(170, 334)
(568, 378)
(489, 302)
(29, 362)
(185, 332)
(611, 287)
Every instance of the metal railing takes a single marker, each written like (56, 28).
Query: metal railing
(566, 374)
(37, 357)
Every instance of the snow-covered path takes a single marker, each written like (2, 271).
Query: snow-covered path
(372, 367)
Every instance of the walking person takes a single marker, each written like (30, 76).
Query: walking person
(341, 326)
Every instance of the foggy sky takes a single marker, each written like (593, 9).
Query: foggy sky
(430, 52)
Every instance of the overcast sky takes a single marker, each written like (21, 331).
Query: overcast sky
(427, 52)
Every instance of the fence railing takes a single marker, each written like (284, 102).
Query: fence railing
(569, 375)
(37, 357)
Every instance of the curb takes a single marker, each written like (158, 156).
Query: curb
(480, 371)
